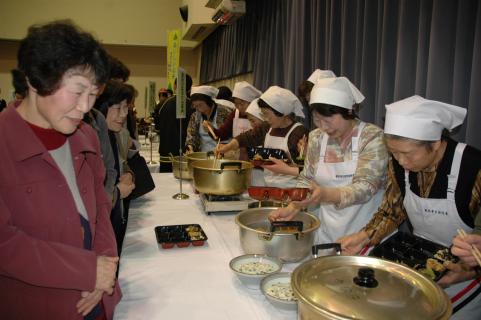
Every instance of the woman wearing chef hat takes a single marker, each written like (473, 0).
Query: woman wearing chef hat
(304, 92)
(254, 114)
(237, 122)
(203, 101)
(278, 107)
(346, 158)
(435, 182)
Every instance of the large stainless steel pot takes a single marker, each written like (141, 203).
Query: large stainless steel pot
(177, 166)
(195, 156)
(355, 287)
(256, 236)
(221, 177)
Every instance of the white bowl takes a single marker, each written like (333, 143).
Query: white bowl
(252, 280)
(282, 278)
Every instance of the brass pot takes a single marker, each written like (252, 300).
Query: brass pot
(177, 166)
(194, 156)
(256, 236)
(221, 177)
(355, 287)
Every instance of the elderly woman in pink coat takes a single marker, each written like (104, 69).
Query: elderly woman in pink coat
(57, 247)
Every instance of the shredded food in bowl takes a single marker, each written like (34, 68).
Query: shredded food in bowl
(257, 268)
(282, 291)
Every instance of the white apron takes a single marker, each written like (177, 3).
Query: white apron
(438, 220)
(336, 223)
(240, 125)
(276, 179)
(206, 142)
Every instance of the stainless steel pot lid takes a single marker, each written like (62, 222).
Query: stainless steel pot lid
(354, 287)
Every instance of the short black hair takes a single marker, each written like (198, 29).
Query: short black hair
(114, 93)
(202, 97)
(118, 70)
(188, 82)
(328, 110)
(19, 82)
(224, 93)
(263, 105)
(49, 50)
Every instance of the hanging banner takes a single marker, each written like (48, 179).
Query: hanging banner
(146, 101)
(173, 54)
(152, 92)
(181, 94)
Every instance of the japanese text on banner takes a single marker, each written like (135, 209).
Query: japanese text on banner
(173, 54)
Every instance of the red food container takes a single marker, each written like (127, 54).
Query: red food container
(260, 163)
(297, 194)
(167, 245)
(266, 193)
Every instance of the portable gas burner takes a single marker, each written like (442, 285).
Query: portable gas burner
(216, 203)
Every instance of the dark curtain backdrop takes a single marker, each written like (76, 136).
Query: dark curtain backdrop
(389, 49)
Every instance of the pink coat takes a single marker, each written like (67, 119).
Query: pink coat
(43, 265)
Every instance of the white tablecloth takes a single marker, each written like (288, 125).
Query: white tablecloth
(184, 283)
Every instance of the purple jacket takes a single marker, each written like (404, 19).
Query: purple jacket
(43, 265)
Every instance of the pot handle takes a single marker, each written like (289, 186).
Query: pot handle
(324, 246)
(231, 164)
(276, 225)
(210, 154)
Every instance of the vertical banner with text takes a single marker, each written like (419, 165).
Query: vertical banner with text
(173, 54)
(181, 94)
(152, 95)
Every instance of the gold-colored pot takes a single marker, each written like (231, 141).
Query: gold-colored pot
(355, 287)
(178, 166)
(195, 156)
(221, 177)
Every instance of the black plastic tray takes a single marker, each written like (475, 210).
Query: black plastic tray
(181, 235)
(266, 153)
(414, 252)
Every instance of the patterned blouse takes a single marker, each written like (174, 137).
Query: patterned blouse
(193, 137)
(371, 168)
(392, 213)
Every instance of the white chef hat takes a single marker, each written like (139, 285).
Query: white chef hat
(205, 90)
(245, 91)
(337, 92)
(225, 103)
(254, 110)
(422, 119)
(319, 74)
(283, 100)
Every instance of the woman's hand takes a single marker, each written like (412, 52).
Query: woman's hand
(89, 301)
(284, 214)
(457, 272)
(125, 185)
(279, 166)
(224, 148)
(315, 195)
(106, 269)
(462, 248)
(353, 243)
